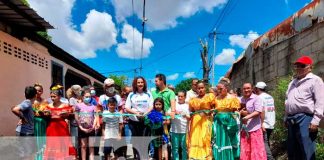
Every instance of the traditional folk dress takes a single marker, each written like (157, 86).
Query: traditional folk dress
(58, 142)
(225, 134)
(199, 136)
(39, 129)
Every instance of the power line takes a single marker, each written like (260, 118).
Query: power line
(170, 53)
(220, 16)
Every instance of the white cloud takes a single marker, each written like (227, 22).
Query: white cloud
(189, 75)
(173, 76)
(164, 14)
(227, 57)
(125, 50)
(98, 31)
(243, 41)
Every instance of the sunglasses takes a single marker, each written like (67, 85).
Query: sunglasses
(300, 66)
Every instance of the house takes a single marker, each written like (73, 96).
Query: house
(27, 58)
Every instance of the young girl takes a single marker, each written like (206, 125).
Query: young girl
(158, 127)
(179, 128)
(112, 127)
(85, 121)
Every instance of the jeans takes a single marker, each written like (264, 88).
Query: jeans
(128, 134)
(301, 142)
(266, 136)
(179, 141)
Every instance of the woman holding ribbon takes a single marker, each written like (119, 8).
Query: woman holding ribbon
(199, 135)
(225, 134)
(58, 142)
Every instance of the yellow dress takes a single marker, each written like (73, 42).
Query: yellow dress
(228, 104)
(199, 136)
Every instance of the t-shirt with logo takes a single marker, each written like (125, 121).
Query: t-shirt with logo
(111, 123)
(179, 124)
(269, 109)
(28, 113)
(139, 102)
(103, 101)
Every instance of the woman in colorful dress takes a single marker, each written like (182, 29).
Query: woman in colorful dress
(199, 135)
(225, 134)
(39, 121)
(58, 140)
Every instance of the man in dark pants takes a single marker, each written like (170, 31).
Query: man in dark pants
(304, 110)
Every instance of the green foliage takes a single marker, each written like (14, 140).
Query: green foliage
(184, 85)
(279, 135)
(120, 81)
(45, 35)
(320, 147)
(25, 2)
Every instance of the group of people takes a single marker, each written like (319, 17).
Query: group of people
(193, 124)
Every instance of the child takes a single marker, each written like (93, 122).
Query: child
(112, 127)
(179, 127)
(85, 121)
(158, 127)
(25, 127)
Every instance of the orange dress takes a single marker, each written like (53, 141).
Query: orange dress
(58, 141)
(199, 136)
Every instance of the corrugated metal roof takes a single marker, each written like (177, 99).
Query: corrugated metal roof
(306, 17)
(17, 13)
(311, 14)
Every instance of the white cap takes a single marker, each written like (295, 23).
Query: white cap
(261, 85)
(109, 82)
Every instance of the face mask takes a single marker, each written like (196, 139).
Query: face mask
(110, 90)
(86, 100)
(93, 92)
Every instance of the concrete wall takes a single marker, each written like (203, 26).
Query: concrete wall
(267, 64)
(22, 63)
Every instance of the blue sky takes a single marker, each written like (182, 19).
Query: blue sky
(106, 34)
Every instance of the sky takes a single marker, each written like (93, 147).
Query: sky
(107, 34)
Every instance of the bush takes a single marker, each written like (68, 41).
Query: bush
(279, 135)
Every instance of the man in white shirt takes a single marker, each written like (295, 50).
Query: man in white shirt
(268, 115)
(192, 93)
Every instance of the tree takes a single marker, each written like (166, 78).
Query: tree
(206, 61)
(184, 85)
(120, 81)
(45, 35)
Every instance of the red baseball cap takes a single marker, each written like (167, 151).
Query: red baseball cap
(304, 60)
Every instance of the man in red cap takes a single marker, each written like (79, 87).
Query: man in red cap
(304, 110)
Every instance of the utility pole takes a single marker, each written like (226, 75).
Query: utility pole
(143, 27)
(213, 60)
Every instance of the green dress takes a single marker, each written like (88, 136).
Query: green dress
(40, 125)
(40, 134)
(225, 130)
